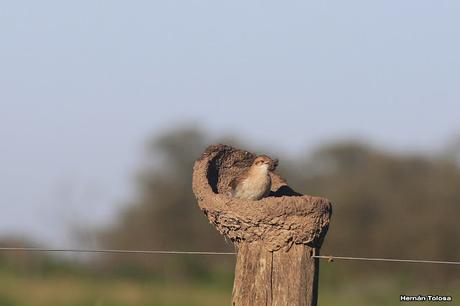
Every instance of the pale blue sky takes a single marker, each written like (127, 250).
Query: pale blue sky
(83, 84)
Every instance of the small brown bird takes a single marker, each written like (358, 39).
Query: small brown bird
(255, 183)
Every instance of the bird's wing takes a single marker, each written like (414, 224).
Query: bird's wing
(234, 183)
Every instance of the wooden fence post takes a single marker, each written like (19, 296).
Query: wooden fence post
(275, 237)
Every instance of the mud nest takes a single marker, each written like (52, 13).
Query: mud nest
(280, 220)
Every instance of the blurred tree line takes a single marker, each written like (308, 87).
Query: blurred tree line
(385, 204)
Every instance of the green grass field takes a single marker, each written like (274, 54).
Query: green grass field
(89, 289)
(81, 291)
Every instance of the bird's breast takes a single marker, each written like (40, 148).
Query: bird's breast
(253, 187)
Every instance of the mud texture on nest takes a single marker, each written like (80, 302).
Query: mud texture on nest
(283, 218)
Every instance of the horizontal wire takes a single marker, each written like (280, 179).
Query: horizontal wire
(331, 258)
(118, 251)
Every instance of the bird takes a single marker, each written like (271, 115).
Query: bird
(254, 183)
